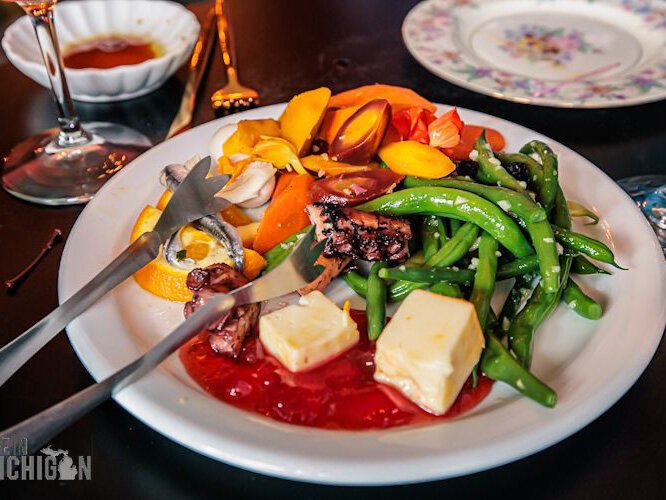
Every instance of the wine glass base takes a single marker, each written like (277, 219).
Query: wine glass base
(39, 171)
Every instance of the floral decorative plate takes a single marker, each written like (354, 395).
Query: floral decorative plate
(564, 53)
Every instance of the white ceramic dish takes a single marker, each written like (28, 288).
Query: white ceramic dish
(170, 24)
(564, 53)
(590, 364)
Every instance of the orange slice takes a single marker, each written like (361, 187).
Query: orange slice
(169, 282)
(158, 276)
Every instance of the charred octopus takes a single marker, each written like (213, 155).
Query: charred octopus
(228, 332)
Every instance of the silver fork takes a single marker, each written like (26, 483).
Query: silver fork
(294, 273)
(233, 96)
(194, 198)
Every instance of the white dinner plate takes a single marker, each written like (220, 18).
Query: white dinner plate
(565, 53)
(590, 364)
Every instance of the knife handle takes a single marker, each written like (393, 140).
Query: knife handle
(15, 354)
(41, 428)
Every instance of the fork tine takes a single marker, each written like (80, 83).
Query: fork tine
(201, 169)
(214, 184)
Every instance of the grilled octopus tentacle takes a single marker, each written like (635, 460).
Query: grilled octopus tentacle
(228, 332)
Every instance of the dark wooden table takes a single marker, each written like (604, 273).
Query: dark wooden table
(284, 48)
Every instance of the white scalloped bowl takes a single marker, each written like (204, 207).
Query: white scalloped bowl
(167, 23)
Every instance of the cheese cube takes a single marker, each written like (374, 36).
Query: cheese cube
(429, 348)
(304, 335)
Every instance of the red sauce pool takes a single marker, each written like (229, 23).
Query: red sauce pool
(109, 51)
(340, 394)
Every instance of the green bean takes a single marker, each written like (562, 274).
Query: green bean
(543, 240)
(441, 229)
(452, 251)
(456, 248)
(583, 266)
(519, 293)
(491, 168)
(282, 250)
(356, 282)
(484, 279)
(509, 201)
(585, 245)
(430, 275)
(534, 169)
(539, 306)
(578, 210)
(454, 224)
(498, 364)
(533, 217)
(458, 204)
(549, 165)
(583, 305)
(561, 216)
(446, 289)
(359, 284)
(375, 308)
(517, 267)
(429, 235)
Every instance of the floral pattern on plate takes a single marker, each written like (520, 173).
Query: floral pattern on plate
(432, 33)
(538, 43)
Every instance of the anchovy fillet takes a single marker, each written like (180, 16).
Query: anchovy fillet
(218, 228)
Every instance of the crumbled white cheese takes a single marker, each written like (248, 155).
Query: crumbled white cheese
(532, 195)
(402, 267)
(548, 240)
(474, 155)
(475, 245)
(536, 157)
(534, 177)
(504, 205)
(572, 304)
(436, 234)
(474, 264)
(494, 161)
(560, 249)
(498, 253)
(460, 200)
(520, 384)
(455, 268)
(556, 269)
(522, 184)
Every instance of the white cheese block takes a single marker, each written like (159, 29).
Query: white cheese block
(304, 335)
(429, 348)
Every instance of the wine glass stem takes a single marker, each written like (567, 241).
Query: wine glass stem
(71, 133)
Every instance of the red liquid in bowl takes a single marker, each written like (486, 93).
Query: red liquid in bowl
(340, 394)
(109, 52)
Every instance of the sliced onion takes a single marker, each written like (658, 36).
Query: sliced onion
(354, 188)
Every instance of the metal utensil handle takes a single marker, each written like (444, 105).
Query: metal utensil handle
(226, 38)
(198, 64)
(41, 428)
(21, 349)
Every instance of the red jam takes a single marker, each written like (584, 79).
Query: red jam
(341, 394)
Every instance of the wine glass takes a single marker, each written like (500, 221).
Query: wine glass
(649, 193)
(68, 164)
